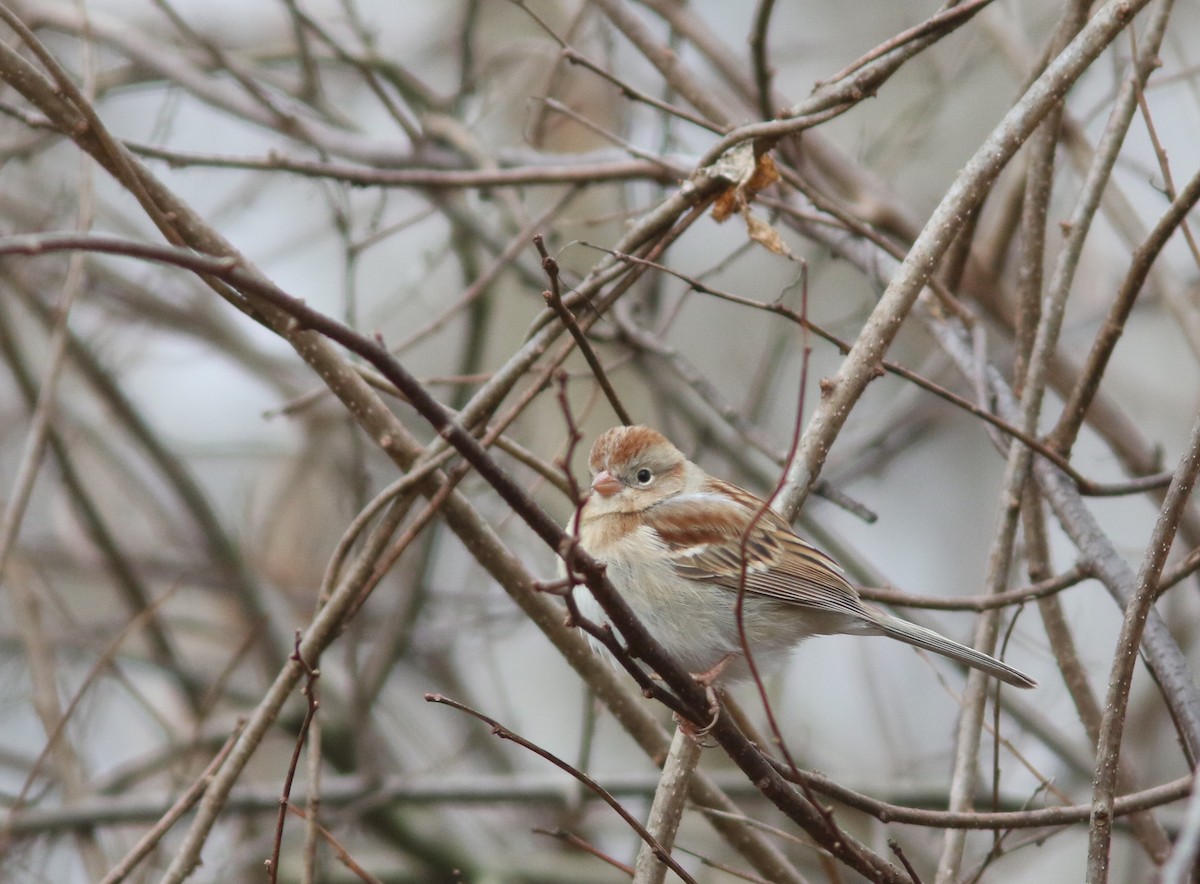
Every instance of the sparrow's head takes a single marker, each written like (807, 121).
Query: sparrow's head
(634, 468)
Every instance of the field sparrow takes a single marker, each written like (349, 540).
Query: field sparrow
(671, 538)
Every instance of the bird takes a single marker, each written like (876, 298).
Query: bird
(672, 539)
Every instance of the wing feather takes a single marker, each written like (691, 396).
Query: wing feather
(702, 534)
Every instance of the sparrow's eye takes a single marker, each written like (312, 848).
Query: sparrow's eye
(644, 476)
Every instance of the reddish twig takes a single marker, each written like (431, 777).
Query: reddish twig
(1041, 589)
(894, 846)
(553, 297)
(339, 849)
(505, 734)
(579, 844)
(1085, 485)
(310, 693)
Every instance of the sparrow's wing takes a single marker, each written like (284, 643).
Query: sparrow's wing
(703, 535)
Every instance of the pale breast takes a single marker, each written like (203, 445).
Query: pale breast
(694, 622)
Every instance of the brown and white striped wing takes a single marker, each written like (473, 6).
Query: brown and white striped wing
(703, 534)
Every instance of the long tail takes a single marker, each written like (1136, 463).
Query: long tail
(894, 627)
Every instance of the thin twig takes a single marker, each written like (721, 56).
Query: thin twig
(312, 703)
(165, 821)
(661, 853)
(1042, 589)
(1128, 642)
(666, 812)
(1086, 486)
(553, 297)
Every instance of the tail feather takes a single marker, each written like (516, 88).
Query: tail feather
(912, 634)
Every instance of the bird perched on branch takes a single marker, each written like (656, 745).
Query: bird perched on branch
(679, 546)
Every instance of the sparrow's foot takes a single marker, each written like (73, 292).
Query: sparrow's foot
(709, 678)
(706, 680)
(699, 733)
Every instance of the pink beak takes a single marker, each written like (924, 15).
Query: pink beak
(606, 484)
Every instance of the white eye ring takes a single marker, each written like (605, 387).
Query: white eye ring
(644, 476)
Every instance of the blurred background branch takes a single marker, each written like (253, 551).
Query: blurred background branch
(215, 216)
